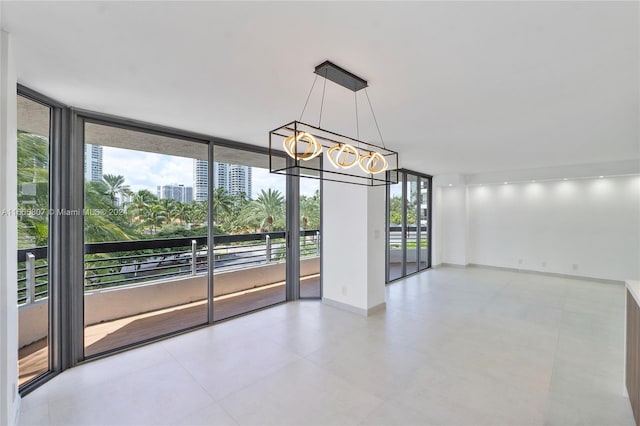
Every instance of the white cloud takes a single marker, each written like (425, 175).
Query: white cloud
(143, 170)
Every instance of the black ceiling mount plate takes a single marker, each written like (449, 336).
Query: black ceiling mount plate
(338, 75)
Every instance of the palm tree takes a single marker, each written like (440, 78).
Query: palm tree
(154, 216)
(222, 203)
(267, 208)
(169, 207)
(115, 186)
(100, 227)
(310, 211)
(137, 205)
(181, 212)
(198, 212)
(33, 188)
(240, 200)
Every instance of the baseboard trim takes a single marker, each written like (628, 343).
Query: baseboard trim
(360, 311)
(549, 274)
(454, 265)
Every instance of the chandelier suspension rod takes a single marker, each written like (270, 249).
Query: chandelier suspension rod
(324, 88)
(355, 98)
(308, 96)
(374, 117)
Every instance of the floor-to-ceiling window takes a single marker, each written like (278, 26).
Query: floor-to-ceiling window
(145, 237)
(250, 208)
(33, 148)
(395, 220)
(408, 224)
(411, 229)
(156, 231)
(424, 222)
(310, 238)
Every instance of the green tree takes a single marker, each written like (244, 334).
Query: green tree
(98, 225)
(198, 212)
(222, 204)
(33, 189)
(268, 210)
(395, 211)
(115, 186)
(170, 207)
(181, 212)
(154, 215)
(310, 211)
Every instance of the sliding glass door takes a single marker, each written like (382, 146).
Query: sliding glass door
(424, 222)
(250, 235)
(410, 228)
(408, 224)
(395, 234)
(145, 237)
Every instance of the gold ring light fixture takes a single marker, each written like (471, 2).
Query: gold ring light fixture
(343, 156)
(311, 149)
(315, 152)
(373, 163)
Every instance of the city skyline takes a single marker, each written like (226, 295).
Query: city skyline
(144, 170)
(176, 192)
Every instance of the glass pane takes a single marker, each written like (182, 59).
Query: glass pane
(424, 223)
(33, 238)
(310, 238)
(395, 206)
(249, 216)
(145, 237)
(411, 206)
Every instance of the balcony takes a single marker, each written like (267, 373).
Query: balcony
(139, 290)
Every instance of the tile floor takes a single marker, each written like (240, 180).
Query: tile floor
(455, 346)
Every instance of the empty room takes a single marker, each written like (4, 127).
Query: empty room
(326, 213)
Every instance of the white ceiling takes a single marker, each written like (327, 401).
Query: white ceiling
(466, 87)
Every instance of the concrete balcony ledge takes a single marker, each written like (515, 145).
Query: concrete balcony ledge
(124, 301)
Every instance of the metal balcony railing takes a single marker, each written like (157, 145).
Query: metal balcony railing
(395, 235)
(121, 263)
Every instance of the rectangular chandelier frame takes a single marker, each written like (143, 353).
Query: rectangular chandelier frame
(343, 166)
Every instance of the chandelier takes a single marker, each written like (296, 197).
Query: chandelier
(319, 153)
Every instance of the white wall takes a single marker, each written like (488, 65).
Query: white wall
(436, 225)
(376, 218)
(453, 225)
(583, 227)
(353, 246)
(8, 237)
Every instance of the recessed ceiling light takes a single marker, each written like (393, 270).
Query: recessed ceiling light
(565, 179)
(506, 183)
(600, 177)
(450, 184)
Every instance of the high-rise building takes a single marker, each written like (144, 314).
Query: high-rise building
(92, 163)
(234, 178)
(187, 194)
(200, 179)
(177, 192)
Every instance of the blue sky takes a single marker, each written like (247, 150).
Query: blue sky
(144, 170)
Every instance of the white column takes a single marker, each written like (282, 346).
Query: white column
(8, 241)
(353, 262)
